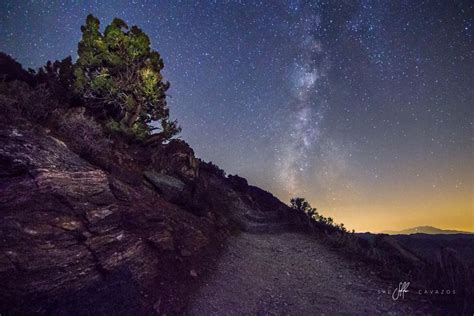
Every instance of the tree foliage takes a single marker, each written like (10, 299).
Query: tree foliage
(120, 75)
(11, 70)
(58, 77)
(301, 205)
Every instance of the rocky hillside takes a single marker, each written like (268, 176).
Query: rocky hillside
(95, 221)
(125, 232)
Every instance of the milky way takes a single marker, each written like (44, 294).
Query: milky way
(363, 107)
(307, 79)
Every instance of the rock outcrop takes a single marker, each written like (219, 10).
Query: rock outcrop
(124, 235)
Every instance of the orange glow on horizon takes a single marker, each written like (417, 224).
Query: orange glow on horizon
(398, 208)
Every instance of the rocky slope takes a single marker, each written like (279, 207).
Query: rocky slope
(122, 234)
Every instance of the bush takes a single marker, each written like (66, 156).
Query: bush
(59, 78)
(20, 101)
(82, 133)
(11, 70)
(211, 168)
(314, 219)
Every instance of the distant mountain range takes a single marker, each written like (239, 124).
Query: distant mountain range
(424, 230)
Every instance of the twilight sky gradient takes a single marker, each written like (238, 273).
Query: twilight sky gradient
(365, 108)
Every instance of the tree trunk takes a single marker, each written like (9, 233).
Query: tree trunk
(134, 116)
(155, 138)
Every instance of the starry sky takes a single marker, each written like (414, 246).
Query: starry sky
(363, 107)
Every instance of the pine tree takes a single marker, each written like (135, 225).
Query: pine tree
(120, 76)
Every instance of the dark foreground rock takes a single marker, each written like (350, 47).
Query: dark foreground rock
(75, 238)
(82, 236)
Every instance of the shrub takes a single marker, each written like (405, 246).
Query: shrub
(314, 219)
(11, 70)
(20, 101)
(211, 168)
(82, 133)
(59, 78)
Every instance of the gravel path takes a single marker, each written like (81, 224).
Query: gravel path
(289, 274)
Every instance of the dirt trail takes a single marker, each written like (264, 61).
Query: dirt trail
(290, 274)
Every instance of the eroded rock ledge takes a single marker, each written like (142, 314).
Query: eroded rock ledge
(123, 235)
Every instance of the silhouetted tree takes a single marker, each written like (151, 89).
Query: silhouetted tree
(120, 75)
(301, 205)
(58, 77)
(11, 70)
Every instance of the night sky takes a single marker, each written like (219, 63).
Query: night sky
(363, 107)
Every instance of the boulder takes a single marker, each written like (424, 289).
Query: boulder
(170, 187)
(177, 158)
(238, 183)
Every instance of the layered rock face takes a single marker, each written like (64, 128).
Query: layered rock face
(89, 235)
